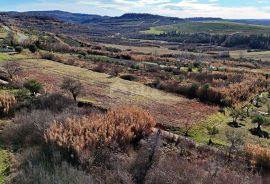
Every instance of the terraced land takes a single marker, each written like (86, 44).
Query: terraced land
(169, 109)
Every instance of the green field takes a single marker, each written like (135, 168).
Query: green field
(11, 56)
(260, 55)
(4, 157)
(217, 27)
(221, 121)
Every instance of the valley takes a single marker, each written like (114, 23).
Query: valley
(137, 98)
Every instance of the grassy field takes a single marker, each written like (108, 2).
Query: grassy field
(260, 55)
(221, 121)
(219, 27)
(153, 50)
(11, 56)
(112, 92)
(158, 50)
(4, 157)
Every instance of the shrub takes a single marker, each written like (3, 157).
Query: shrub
(117, 128)
(27, 128)
(193, 90)
(54, 102)
(100, 68)
(33, 86)
(42, 171)
(18, 49)
(33, 48)
(130, 77)
(50, 56)
(21, 94)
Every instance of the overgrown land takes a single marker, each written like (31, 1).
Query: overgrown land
(133, 99)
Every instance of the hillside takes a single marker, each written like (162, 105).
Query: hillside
(89, 99)
(216, 27)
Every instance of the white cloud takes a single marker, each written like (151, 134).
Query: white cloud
(180, 8)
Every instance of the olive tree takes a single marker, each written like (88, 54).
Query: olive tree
(72, 86)
(212, 132)
(260, 121)
(235, 113)
(235, 139)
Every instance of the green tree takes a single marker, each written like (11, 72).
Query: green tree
(248, 107)
(260, 121)
(235, 113)
(212, 132)
(258, 100)
(33, 86)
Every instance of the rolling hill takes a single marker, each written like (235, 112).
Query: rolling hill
(215, 27)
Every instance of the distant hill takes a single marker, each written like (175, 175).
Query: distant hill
(63, 16)
(254, 21)
(146, 16)
(66, 16)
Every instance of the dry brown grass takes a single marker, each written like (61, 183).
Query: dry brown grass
(7, 101)
(118, 127)
(260, 156)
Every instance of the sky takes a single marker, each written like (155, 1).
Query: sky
(232, 9)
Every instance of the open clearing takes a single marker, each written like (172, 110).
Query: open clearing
(260, 55)
(153, 50)
(169, 109)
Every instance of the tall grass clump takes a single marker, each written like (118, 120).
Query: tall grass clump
(7, 101)
(115, 129)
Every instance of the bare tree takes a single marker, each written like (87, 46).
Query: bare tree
(72, 86)
(187, 127)
(12, 68)
(235, 138)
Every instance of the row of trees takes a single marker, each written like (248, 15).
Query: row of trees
(253, 41)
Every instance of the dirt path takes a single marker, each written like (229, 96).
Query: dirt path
(168, 108)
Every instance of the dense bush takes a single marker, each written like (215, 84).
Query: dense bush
(100, 68)
(130, 77)
(27, 129)
(33, 86)
(33, 48)
(50, 56)
(18, 49)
